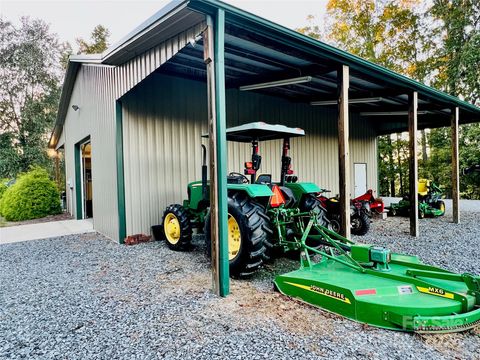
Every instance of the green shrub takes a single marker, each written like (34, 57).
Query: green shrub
(32, 196)
(3, 187)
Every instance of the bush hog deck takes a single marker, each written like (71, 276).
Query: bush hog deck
(365, 283)
(371, 285)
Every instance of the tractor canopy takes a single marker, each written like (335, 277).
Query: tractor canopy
(261, 131)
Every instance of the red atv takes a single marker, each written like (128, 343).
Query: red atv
(359, 220)
(376, 205)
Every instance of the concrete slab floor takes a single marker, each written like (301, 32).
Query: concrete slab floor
(27, 232)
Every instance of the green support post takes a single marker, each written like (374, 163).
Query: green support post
(220, 106)
(78, 182)
(122, 227)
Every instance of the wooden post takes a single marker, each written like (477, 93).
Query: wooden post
(343, 83)
(455, 167)
(413, 161)
(213, 39)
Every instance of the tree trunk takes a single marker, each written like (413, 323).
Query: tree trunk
(390, 160)
(399, 160)
(424, 147)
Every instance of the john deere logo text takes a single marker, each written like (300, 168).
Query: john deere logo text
(326, 292)
(435, 291)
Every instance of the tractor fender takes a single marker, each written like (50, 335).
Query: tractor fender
(196, 202)
(252, 190)
(302, 188)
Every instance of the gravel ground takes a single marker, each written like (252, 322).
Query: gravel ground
(85, 297)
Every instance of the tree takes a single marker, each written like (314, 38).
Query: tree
(29, 93)
(459, 75)
(390, 33)
(99, 41)
(434, 42)
(469, 155)
(386, 166)
(459, 57)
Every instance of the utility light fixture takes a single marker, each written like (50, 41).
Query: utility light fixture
(389, 113)
(350, 101)
(75, 107)
(193, 41)
(298, 80)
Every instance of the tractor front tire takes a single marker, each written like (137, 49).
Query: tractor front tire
(360, 224)
(176, 226)
(393, 211)
(248, 233)
(335, 223)
(421, 214)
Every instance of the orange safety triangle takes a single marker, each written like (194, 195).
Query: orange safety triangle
(277, 198)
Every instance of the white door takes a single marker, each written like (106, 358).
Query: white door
(360, 171)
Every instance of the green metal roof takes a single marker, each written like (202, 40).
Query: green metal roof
(258, 50)
(301, 41)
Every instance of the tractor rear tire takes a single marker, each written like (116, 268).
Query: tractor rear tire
(360, 224)
(309, 203)
(176, 227)
(440, 205)
(252, 222)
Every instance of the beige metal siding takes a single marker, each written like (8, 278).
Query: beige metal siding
(95, 91)
(164, 118)
(94, 94)
(136, 70)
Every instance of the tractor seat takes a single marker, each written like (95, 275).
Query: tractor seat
(265, 179)
(423, 186)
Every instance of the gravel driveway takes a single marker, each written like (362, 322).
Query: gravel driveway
(85, 297)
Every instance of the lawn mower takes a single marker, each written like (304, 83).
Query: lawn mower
(376, 205)
(359, 219)
(362, 282)
(429, 201)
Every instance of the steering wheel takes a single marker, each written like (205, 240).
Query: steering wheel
(244, 178)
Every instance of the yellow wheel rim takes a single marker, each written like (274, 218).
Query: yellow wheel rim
(442, 207)
(171, 225)
(234, 238)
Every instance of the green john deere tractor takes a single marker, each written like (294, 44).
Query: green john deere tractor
(429, 201)
(251, 199)
(365, 283)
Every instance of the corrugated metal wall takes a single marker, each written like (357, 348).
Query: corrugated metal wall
(94, 94)
(95, 91)
(136, 70)
(164, 118)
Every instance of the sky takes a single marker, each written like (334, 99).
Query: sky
(72, 19)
